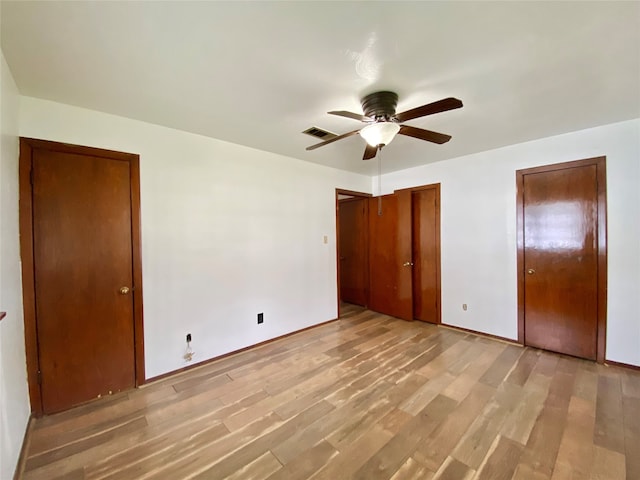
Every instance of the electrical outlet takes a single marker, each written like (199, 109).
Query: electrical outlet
(188, 337)
(260, 318)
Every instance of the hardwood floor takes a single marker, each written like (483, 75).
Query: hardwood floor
(366, 397)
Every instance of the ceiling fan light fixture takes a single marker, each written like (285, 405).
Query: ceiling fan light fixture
(380, 133)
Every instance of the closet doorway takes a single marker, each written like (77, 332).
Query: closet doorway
(352, 227)
(389, 252)
(404, 254)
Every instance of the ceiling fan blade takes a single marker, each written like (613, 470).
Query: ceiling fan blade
(369, 152)
(423, 134)
(355, 116)
(334, 139)
(429, 109)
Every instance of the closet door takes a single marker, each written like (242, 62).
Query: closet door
(426, 253)
(390, 259)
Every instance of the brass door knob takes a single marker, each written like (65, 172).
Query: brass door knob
(124, 290)
(531, 271)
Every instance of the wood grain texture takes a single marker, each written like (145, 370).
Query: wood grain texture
(631, 412)
(82, 256)
(30, 151)
(561, 260)
(390, 273)
(581, 324)
(425, 217)
(28, 273)
(367, 397)
(609, 424)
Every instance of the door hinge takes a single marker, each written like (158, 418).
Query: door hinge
(39, 377)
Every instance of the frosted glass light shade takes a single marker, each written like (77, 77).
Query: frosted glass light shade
(380, 133)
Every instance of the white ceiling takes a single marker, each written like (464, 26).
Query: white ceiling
(258, 73)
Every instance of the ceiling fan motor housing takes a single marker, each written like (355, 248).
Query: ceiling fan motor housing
(380, 106)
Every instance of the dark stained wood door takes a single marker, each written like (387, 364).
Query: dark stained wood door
(353, 250)
(82, 246)
(561, 260)
(390, 277)
(426, 254)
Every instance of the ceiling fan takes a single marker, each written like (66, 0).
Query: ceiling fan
(384, 123)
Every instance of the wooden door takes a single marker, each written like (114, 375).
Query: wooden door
(82, 255)
(390, 277)
(560, 258)
(353, 250)
(426, 254)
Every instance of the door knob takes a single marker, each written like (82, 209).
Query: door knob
(531, 271)
(407, 264)
(124, 290)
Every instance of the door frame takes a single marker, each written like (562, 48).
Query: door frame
(600, 163)
(340, 191)
(27, 146)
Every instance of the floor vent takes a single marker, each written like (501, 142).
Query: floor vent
(319, 133)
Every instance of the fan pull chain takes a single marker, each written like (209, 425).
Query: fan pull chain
(379, 181)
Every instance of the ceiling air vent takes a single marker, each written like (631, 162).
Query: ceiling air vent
(319, 133)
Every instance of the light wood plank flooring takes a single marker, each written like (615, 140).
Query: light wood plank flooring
(366, 397)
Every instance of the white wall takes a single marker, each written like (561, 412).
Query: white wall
(478, 211)
(230, 231)
(14, 396)
(227, 232)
